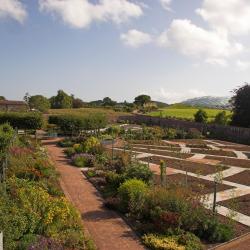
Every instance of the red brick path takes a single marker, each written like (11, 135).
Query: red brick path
(242, 243)
(107, 229)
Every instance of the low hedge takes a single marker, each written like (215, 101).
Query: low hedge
(30, 121)
(70, 124)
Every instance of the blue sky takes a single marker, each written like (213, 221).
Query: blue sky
(171, 50)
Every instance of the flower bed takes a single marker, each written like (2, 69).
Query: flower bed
(34, 214)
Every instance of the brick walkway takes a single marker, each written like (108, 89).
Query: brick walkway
(242, 243)
(107, 228)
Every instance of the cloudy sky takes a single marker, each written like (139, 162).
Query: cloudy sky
(170, 49)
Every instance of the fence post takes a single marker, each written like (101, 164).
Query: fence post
(1, 240)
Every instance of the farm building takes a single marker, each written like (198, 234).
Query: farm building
(6, 105)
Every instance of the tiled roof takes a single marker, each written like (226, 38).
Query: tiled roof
(16, 103)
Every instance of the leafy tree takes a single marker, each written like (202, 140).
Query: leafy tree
(201, 116)
(142, 100)
(241, 106)
(61, 100)
(2, 98)
(39, 102)
(26, 97)
(221, 118)
(77, 103)
(107, 101)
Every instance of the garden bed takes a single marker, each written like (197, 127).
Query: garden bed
(197, 185)
(151, 142)
(157, 147)
(165, 153)
(191, 141)
(247, 154)
(193, 167)
(241, 178)
(214, 152)
(231, 161)
(242, 204)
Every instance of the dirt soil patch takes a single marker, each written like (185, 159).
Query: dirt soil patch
(156, 147)
(165, 153)
(193, 167)
(231, 161)
(241, 178)
(214, 152)
(195, 184)
(241, 204)
(191, 141)
(151, 142)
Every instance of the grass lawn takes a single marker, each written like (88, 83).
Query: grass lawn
(185, 112)
(111, 114)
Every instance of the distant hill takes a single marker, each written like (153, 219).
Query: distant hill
(208, 102)
(161, 104)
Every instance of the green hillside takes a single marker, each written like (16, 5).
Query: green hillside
(184, 112)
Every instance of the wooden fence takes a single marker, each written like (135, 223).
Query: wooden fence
(229, 133)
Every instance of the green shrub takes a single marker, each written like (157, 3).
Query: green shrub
(115, 180)
(185, 241)
(190, 241)
(83, 160)
(30, 121)
(171, 133)
(6, 136)
(214, 231)
(66, 143)
(91, 144)
(69, 152)
(162, 242)
(139, 171)
(28, 209)
(132, 194)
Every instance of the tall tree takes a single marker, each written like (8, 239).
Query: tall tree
(107, 101)
(221, 118)
(77, 103)
(26, 98)
(141, 100)
(61, 100)
(241, 106)
(39, 102)
(2, 98)
(201, 116)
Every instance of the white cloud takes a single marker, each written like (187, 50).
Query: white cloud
(13, 9)
(135, 38)
(242, 65)
(81, 13)
(217, 61)
(230, 16)
(175, 97)
(194, 41)
(166, 4)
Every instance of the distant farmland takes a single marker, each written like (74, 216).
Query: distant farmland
(185, 112)
(110, 113)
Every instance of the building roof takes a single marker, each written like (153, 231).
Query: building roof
(16, 103)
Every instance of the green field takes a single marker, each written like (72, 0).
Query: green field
(110, 113)
(185, 112)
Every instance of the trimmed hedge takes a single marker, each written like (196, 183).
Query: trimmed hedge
(76, 123)
(22, 120)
